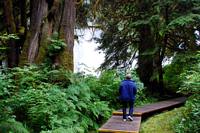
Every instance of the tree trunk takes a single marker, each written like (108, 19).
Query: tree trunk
(145, 60)
(32, 43)
(67, 33)
(149, 61)
(13, 49)
(23, 19)
(158, 71)
(48, 17)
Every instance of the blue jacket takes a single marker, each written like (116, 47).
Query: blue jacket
(127, 90)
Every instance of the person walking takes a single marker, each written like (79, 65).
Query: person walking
(127, 91)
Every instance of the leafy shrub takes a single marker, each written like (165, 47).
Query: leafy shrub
(191, 86)
(12, 126)
(190, 122)
(191, 80)
(56, 46)
(44, 103)
(54, 100)
(106, 87)
(7, 88)
(181, 62)
(4, 41)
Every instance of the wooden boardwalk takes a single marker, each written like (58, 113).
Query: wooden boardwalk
(116, 125)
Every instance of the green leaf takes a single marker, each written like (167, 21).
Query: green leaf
(184, 20)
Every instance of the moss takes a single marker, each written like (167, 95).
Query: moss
(43, 44)
(163, 123)
(66, 59)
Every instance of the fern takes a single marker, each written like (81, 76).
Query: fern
(184, 20)
(12, 126)
(56, 47)
(40, 98)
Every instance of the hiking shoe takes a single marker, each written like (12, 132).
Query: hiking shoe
(130, 118)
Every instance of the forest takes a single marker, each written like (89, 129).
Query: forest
(41, 93)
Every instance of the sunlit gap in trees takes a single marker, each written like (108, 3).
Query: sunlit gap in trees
(87, 59)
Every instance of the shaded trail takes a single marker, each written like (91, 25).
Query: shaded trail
(116, 125)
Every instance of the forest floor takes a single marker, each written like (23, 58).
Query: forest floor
(163, 122)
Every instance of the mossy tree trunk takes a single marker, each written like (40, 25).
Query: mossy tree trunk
(150, 57)
(149, 61)
(47, 18)
(67, 33)
(145, 59)
(13, 47)
(35, 33)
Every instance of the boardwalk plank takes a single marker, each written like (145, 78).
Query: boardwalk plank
(155, 106)
(116, 125)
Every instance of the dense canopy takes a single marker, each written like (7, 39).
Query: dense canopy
(39, 92)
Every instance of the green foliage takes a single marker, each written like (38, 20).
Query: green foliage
(105, 87)
(181, 63)
(164, 122)
(6, 86)
(5, 37)
(183, 75)
(40, 100)
(7, 89)
(55, 101)
(191, 82)
(190, 122)
(12, 126)
(122, 22)
(191, 86)
(184, 20)
(56, 46)
(191, 78)
(4, 42)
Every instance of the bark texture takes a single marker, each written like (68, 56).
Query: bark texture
(149, 61)
(13, 48)
(67, 33)
(32, 43)
(47, 18)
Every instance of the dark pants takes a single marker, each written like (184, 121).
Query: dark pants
(124, 106)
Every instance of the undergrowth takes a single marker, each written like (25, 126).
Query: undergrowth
(163, 123)
(12, 126)
(186, 81)
(49, 100)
